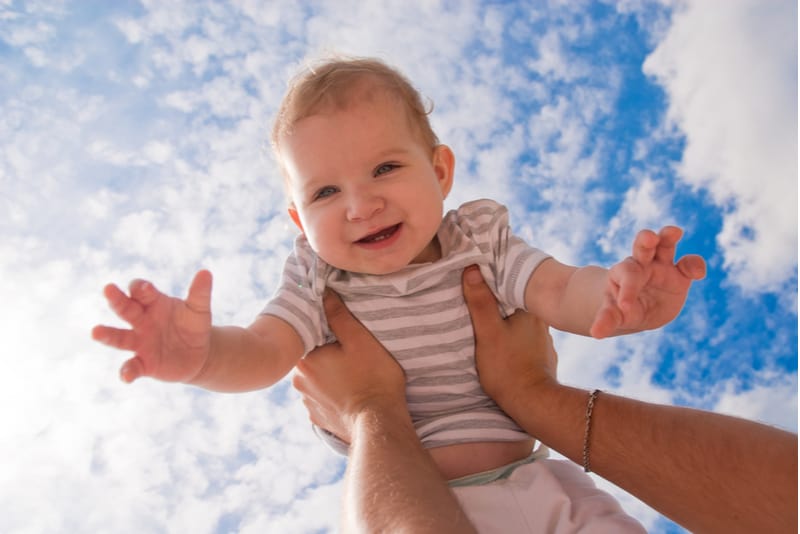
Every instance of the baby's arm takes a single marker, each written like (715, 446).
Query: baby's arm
(642, 292)
(173, 340)
(245, 359)
(566, 297)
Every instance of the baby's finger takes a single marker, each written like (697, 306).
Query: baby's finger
(644, 246)
(131, 370)
(118, 338)
(143, 292)
(199, 297)
(606, 322)
(629, 279)
(126, 308)
(692, 266)
(669, 237)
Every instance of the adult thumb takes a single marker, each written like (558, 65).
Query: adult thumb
(480, 301)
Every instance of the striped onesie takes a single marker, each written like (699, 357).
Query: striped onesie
(419, 315)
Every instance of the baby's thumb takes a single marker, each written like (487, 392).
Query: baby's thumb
(199, 297)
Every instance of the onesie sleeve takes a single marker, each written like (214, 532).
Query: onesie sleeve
(298, 299)
(512, 260)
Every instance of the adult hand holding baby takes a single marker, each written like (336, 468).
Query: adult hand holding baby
(340, 380)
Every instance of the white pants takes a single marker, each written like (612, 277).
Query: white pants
(543, 497)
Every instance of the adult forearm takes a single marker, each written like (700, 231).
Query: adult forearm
(391, 483)
(707, 472)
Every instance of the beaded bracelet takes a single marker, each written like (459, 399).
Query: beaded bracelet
(587, 431)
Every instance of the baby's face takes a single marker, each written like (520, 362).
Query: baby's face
(366, 192)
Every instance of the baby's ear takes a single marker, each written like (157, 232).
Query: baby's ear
(444, 162)
(295, 217)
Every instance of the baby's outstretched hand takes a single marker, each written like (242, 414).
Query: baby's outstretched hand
(648, 289)
(170, 337)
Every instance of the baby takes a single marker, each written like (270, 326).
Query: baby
(366, 178)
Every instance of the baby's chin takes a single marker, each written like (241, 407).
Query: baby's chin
(373, 268)
(376, 270)
(389, 263)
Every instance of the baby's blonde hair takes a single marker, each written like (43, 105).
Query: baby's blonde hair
(332, 84)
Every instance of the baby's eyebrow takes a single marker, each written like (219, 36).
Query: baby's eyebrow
(311, 181)
(311, 187)
(306, 188)
(398, 151)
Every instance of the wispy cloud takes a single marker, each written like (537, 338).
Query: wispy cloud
(731, 78)
(134, 146)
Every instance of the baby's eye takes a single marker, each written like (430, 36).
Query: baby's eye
(384, 168)
(325, 192)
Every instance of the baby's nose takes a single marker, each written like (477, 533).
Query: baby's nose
(364, 205)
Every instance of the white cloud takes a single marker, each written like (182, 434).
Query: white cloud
(731, 77)
(771, 400)
(158, 170)
(102, 150)
(644, 206)
(149, 457)
(24, 36)
(158, 152)
(550, 61)
(131, 28)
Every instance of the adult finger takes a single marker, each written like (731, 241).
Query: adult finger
(312, 408)
(303, 383)
(540, 331)
(345, 327)
(486, 319)
(299, 381)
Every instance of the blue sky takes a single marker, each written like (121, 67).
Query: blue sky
(134, 142)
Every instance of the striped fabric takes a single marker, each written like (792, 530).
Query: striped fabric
(419, 315)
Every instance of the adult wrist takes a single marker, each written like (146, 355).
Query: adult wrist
(381, 416)
(526, 394)
(386, 407)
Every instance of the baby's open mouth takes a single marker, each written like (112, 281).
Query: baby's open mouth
(386, 233)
